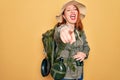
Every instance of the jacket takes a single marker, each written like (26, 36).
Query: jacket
(80, 45)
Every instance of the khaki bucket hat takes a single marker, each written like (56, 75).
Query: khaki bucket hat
(80, 6)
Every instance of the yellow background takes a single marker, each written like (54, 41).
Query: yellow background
(22, 23)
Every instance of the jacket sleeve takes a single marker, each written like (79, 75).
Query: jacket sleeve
(86, 47)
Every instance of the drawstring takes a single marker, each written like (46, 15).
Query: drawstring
(79, 37)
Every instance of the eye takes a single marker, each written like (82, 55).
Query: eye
(75, 9)
(68, 10)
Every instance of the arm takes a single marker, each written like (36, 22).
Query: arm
(86, 47)
(84, 50)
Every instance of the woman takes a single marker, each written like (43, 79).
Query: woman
(69, 31)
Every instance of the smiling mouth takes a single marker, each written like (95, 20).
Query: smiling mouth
(73, 17)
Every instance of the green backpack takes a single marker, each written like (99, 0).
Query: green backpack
(49, 62)
(49, 49)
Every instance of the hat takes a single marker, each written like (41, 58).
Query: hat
(81, 7)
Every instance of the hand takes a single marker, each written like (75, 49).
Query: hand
(67, 35)
(79, 56)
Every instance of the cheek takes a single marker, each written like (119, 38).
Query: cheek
(67, 15)
(76, 14)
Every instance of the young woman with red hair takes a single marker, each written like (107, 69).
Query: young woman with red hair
(69, 31)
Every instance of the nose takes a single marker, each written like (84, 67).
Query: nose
(72, 11)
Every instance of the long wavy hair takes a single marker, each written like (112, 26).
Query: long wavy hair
(78, 24)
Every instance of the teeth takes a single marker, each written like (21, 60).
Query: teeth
(72, 16)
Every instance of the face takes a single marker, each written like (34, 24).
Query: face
(70, 14)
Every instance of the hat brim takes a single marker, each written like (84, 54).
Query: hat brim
(81, 7)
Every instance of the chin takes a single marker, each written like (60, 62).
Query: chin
(73, 22)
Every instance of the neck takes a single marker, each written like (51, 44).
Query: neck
(71, 25)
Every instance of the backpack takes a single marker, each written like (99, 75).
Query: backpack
(50, 63)
(49, 45)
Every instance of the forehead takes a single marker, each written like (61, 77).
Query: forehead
(70, 6)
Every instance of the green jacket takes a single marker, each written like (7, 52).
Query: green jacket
(81, 45)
